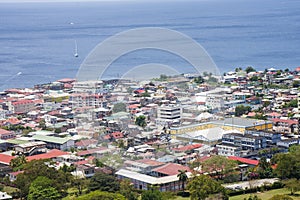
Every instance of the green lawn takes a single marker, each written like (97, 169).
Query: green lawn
(182, 198)
(266, 195)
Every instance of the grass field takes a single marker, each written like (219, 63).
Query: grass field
(267, 195)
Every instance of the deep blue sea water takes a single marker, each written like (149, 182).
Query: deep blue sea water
(37, 39)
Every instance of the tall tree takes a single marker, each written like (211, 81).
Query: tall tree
(182, 178)
(249, 69)
(264, 168)
(202, 186)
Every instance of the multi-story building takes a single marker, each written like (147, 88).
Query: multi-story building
(214, 101)
(245, 141)
(271, 137)
(229, 150)
(21, 106)
(233, 143)
(168, 114)
(79, 100)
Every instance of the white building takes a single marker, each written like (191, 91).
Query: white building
(171, 112)
(91, 87)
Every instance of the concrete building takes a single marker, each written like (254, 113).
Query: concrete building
(21, 106)
(79, 100)
(168, 114)
(90, 87)
(234, 143)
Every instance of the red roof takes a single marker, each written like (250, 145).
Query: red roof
(251, 114)
(170, 169)
(133, 106)
(150, 162)
(244, 160)
(51, 154)
(86, 142)
(24, 101)
(16, 173)
(66, 80)
(3, 131)
(117, 135)
(5, 159)
(188, 147)
(13, 121)
(273, 114)
(90, 151)
(288, 121)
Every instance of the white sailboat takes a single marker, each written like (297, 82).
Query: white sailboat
(76, 51)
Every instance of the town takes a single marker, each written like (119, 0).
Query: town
(166, 137)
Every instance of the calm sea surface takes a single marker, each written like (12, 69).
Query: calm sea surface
(37, 40)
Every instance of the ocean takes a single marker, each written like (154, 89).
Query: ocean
(37, 40)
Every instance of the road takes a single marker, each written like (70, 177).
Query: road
(250, 184)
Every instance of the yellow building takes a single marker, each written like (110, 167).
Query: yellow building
(235, 123)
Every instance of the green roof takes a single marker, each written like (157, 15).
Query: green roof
(51, 139)
(16, 141)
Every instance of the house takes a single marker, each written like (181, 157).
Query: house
(86, 143)
(94, 152)
(4, 134)
(84, 171)
(13, 175)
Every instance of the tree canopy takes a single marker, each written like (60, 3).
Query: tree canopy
(152, 194)
(119, 107)
(288, 164)
(43, 188)
(95, 195)
(34, 169)
(104, 182)
(202, 186)
(141, 121)
(220, 165)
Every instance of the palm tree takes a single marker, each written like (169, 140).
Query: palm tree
(182, 177)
